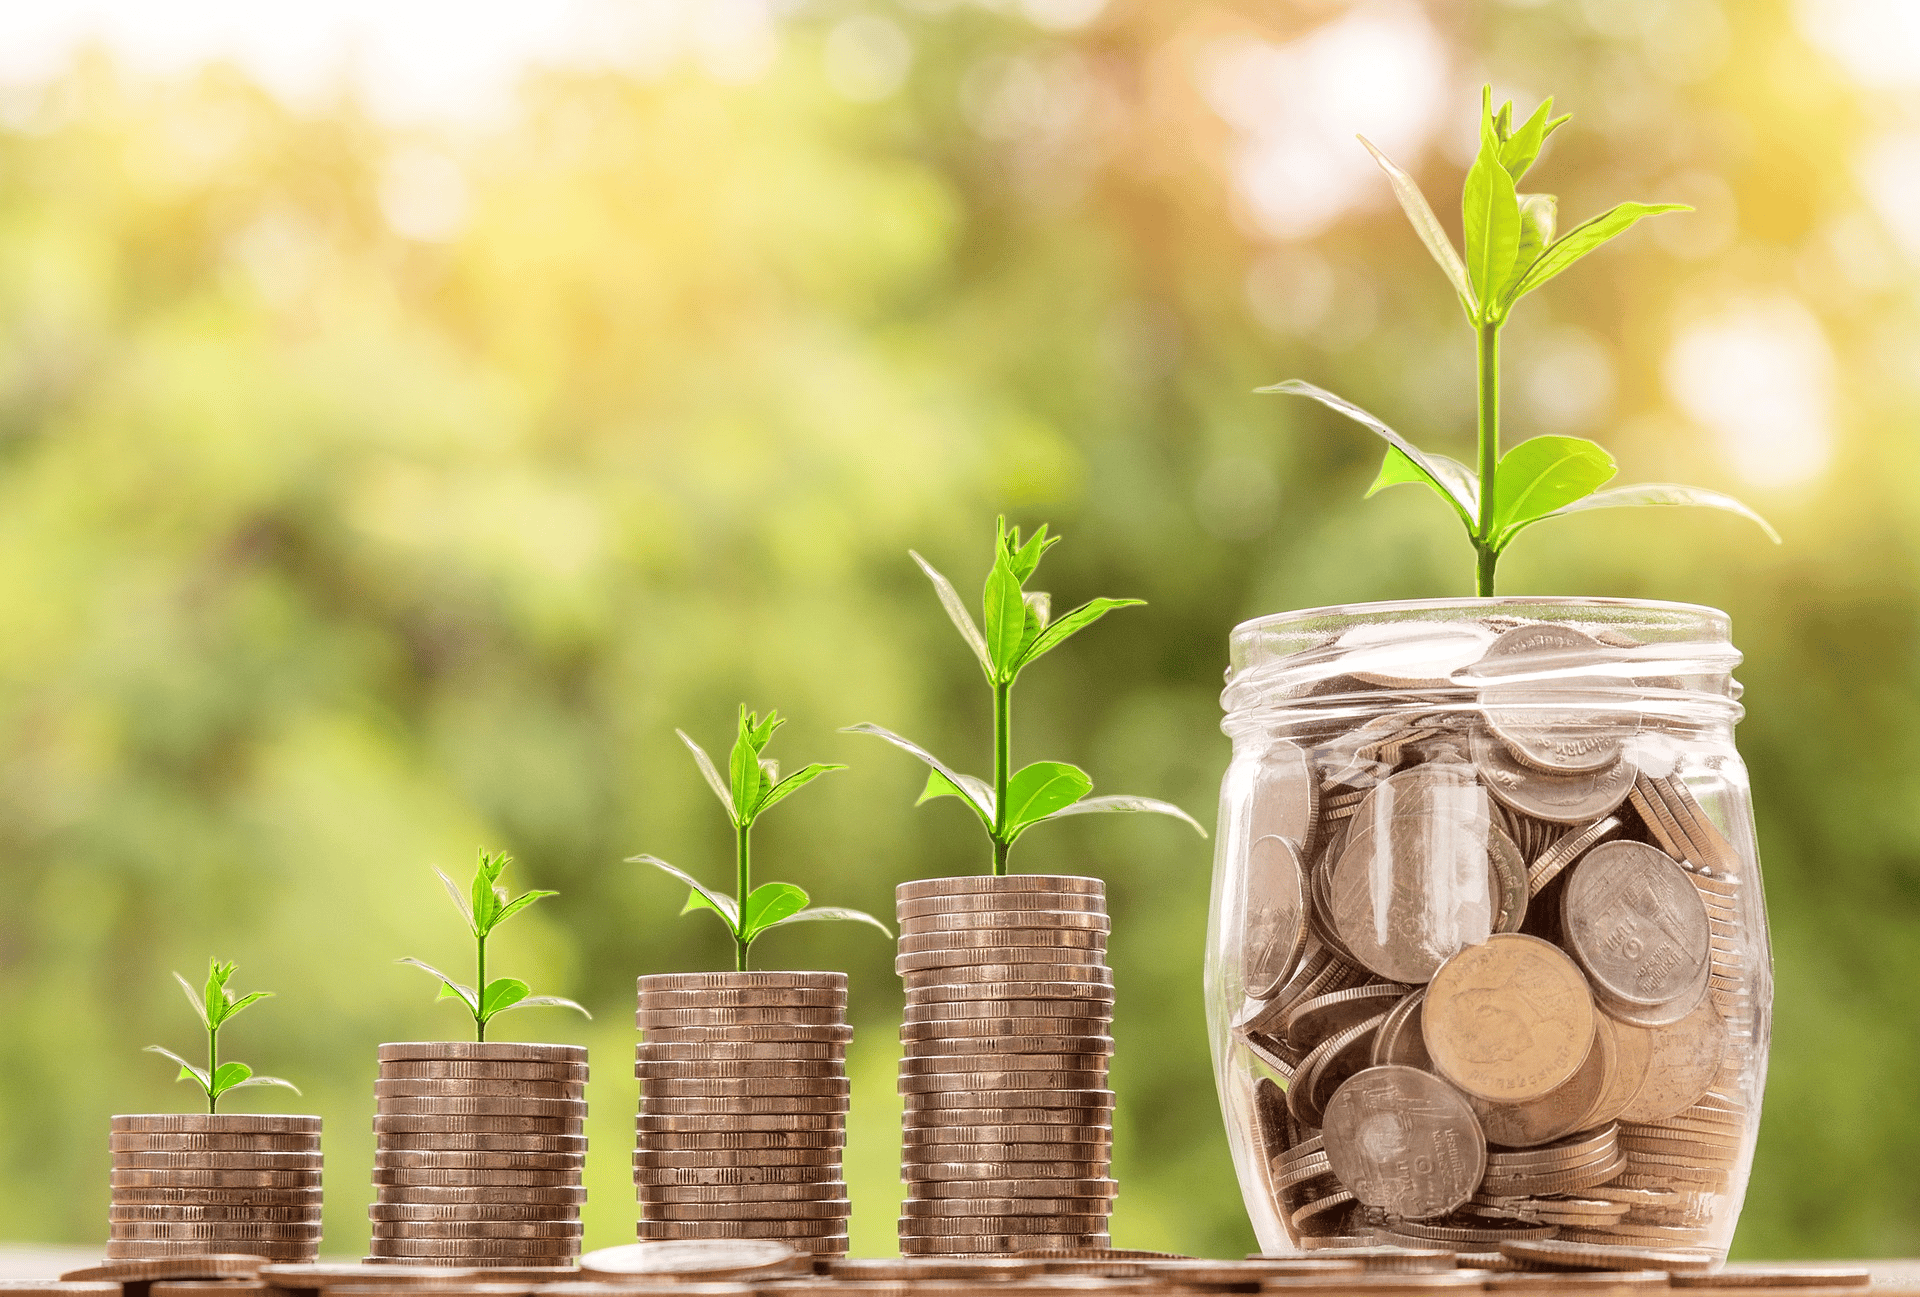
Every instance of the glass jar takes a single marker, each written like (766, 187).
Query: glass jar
(1487, 957)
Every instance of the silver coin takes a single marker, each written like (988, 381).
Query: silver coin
(1558, 798)
(415, 1087)
(837, 1033)
(1411, 890)
(955, 1045)
(989, 884)
(1542, 701)
(965, 974)
(740, 1229)
(780, 1052)
(481, 1051)
(467, 1069)
(1276, 926)
(1404, 1141)
(1638, 928)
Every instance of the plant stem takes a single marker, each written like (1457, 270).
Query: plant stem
(1002, 746)
(743, 884)
(480, 984)
(213, 1069)
(1487, 351)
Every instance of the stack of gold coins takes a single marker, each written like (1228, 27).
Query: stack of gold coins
(743, 1108)
(1009, 1121)
(478, 1152)
(228, 1182)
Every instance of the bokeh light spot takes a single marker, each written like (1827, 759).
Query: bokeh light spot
(867, 58)
(1760, 375)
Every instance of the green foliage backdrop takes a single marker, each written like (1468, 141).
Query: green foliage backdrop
(327, 554)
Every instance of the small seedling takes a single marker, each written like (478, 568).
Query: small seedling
(1019, 631)
(485, 906)
(215, 1005)
(1511, 250)
(753, 785)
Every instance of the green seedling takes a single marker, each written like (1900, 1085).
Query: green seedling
(214, 1005)
(1512, 249)
(485, 906)
(1019, 631)
(753, 786)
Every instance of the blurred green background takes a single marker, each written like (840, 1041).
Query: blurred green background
(373, 489)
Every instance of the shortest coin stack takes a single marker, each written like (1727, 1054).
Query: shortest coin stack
(1009, 1121)
(227, 1182)
(743, 1108)
(478, 1152)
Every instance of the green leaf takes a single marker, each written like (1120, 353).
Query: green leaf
(1585, 237)
(767, 905)
(1519, 149)
(1005, 618)
(250, 998)
(834, 914)
(502, 993)
(1024, 559)
(719, 902)
(265, 1080)
(227, 1076)
(1537, 215)
(188, 1072)
(748, 780)
(545, 1002)
(1396, 469)
(1039, 609)
(1059, 632)
(1443, 480)
(957, 613)
(1491, 212)
(1427, 226)
(1542, 474)
(449, 989)
(195, 998)
(793, 783)
(975, 792)
(964, 787)
(518, 904)
(714, 781)
(459, 898)
(1663, 494)
(1039, 790)
(216, 991)
(481, 893)
(1121, 802)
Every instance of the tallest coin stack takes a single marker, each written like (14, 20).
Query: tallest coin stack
(1009, 1121)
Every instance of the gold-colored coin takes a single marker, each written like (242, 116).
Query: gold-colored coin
(1509, 1020)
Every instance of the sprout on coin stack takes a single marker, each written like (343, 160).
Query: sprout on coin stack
(1009, 1121)
(744, 1092)
(479, 1144)
(1487, 964)
(213, 1181)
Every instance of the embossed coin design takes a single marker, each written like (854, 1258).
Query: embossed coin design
(1510, 1019)
(1404, 1141)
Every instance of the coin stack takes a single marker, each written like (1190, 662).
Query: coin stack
(743, 1108)
(478, 1152)
(1497, 964)
(227, 1182)
(1009, 1121)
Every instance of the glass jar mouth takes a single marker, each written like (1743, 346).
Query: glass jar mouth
(1677, 657)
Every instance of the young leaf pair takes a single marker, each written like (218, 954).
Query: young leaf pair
(485, 905)
(1018, 630)
(753, 785)
(214, 1005)
(1511, 249)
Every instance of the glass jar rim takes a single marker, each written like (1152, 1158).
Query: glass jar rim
(1669, 612)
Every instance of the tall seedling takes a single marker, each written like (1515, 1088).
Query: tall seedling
(752, 787)
(1511, 250)
(214, 1005)
(485, 906)
(1019, 631)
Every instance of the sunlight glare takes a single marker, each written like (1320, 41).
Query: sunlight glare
(1760, 375)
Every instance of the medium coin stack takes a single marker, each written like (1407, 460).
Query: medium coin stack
(1494, 922)
(478, 1150)
(743, 1108)
(1009, 1121)
(226, 1182)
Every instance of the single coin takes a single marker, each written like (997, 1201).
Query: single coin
(1399, 1042)
(476, 1124)
(975, 884)
(1511, 889)
(444, 1211)
(553, 1195)
(815, 1210)
(653, 1052)
(189, 1141)
(1567, 848)
(1412, 655)
(1543, 701)
(933, 1226)
(948, 1119)
(745, 1034)
(720, 1179)
(469, 1229)
(151, 1269)
(1386, 886)
(799, 1191)
(1087, 1025)
(1329, 1065)
(305, 1214)
(464, 1248)
(1000, 1244)
(938, 1083)
(695, 1259)
(35, 1288)
(647, 1019)
(1632, 1050)
(1682, 1061)
(231, 1179)
(1404, 1141)
(1637, 925)
(737, 981)
(743, 1069)
(462, 1142)
(1777, 1276)
(132, 1196)
(963, 1207)
(1557, 798)
(984, 1136)
(225, 1123)
(1560, 1112)
(1509, 1019)
(653, 1104)
(1002, 940)
(995, 919)
(955, 1045)
(743, 1087)
(974, 1010)
(479, 1106)
(477, 1161)
(1062, 1151)
(975, 1100)
(482, 1051)
(1316, 1019)
(1071, 958)
(205, 1160)
(482, 1070)
(1010, 1179)
(217, 1236)
(1276, 922)
(388, 1175)
(797, 1230)
(1082, 977)
(448, 1087)
(775, 1121)
(164, 1249)
(1557, 1254)
(972, 1065)
(751, 997)
(974, 992)
(1007, 903)
(692, 1145)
